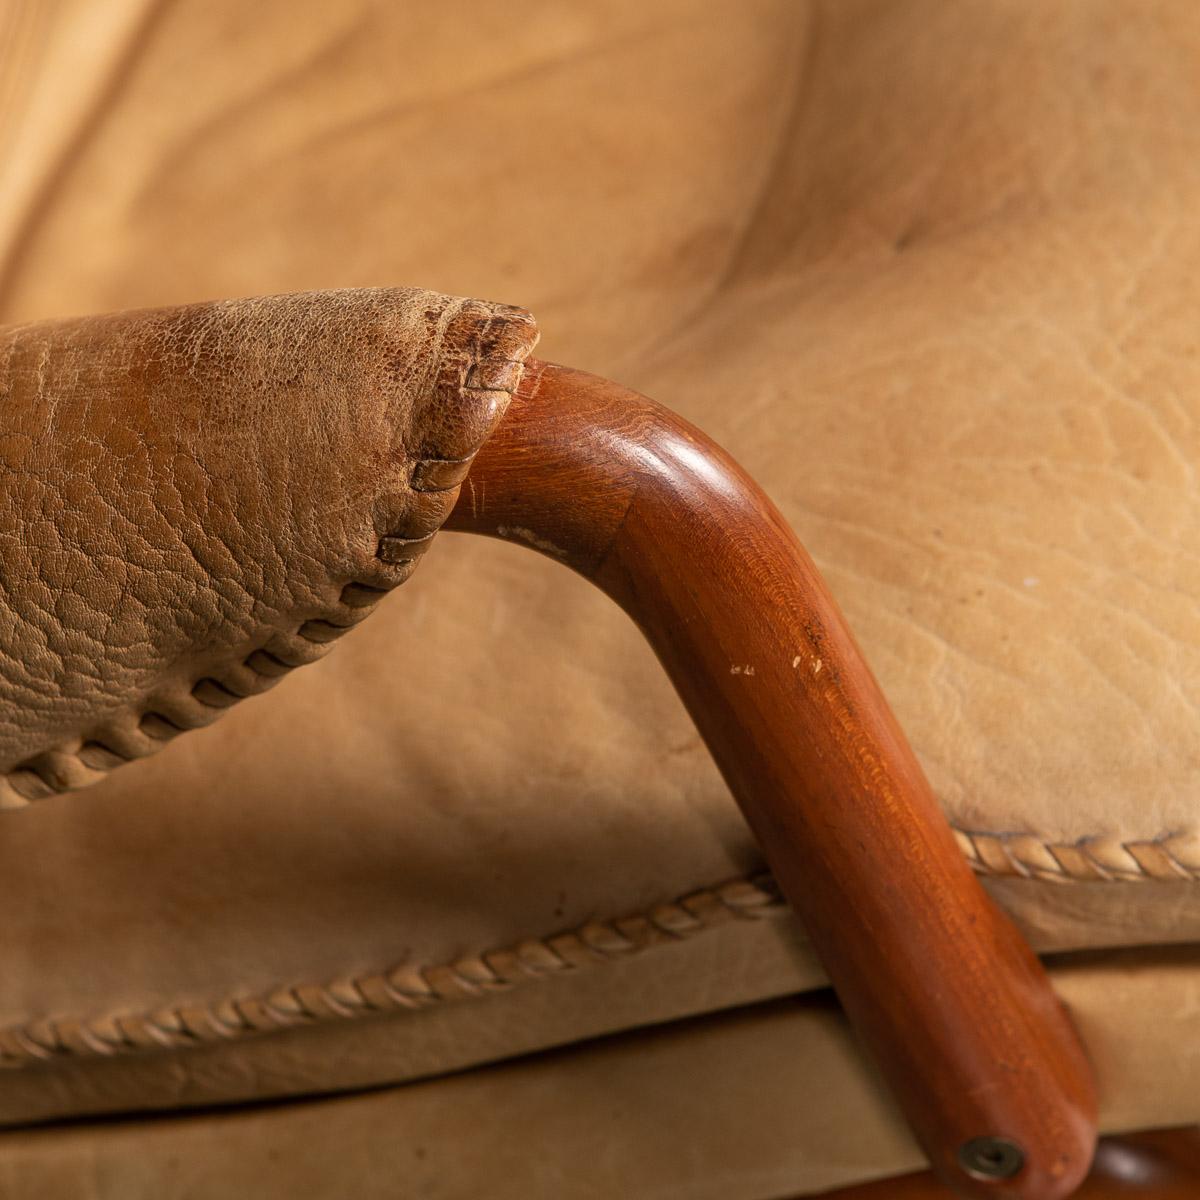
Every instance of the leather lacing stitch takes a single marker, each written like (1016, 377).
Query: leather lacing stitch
(46, 774)
(400, 988)
(1168, 858)
(472, 977)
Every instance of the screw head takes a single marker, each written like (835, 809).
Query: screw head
(991, 1158)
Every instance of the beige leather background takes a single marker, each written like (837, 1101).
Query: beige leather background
(926, 269)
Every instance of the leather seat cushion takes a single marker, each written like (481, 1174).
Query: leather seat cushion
(946, 321)
(767, 1101)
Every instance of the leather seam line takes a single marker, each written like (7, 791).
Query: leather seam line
(97, 756)
(1171, 857)
(470, 977)
(398, 988)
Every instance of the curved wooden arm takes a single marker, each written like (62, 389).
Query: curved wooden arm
(949, 999)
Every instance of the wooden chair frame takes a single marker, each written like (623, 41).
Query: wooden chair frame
(954, 1007)
(1162, 1164)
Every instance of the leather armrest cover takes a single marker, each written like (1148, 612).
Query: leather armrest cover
(195, 500)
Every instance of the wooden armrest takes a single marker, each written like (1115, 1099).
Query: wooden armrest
(943, 990)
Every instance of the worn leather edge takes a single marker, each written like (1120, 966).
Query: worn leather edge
(484, 347)
(471, 977)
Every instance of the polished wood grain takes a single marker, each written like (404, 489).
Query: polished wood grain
(950, 1001)
(1159, 1165)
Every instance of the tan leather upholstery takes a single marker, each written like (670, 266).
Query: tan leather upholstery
(198, 500)
(769, 1101)
(926, 269)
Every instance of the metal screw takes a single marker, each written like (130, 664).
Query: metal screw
(991, 1158)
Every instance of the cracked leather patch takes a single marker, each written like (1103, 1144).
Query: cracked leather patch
(197, 500)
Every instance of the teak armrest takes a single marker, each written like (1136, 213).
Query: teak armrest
(947, 996)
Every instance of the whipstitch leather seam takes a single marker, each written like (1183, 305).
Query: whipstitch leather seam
(95, 756)
(1168, 858)
(472, 977)
(400, 988)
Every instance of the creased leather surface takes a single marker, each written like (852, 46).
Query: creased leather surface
(59, 63)
(927, 269)
(197, 500)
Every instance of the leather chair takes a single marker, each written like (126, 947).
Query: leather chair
(466, 906)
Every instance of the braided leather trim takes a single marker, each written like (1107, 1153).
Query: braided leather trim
(1170, 857)
(1174, 858)
(402, 987)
